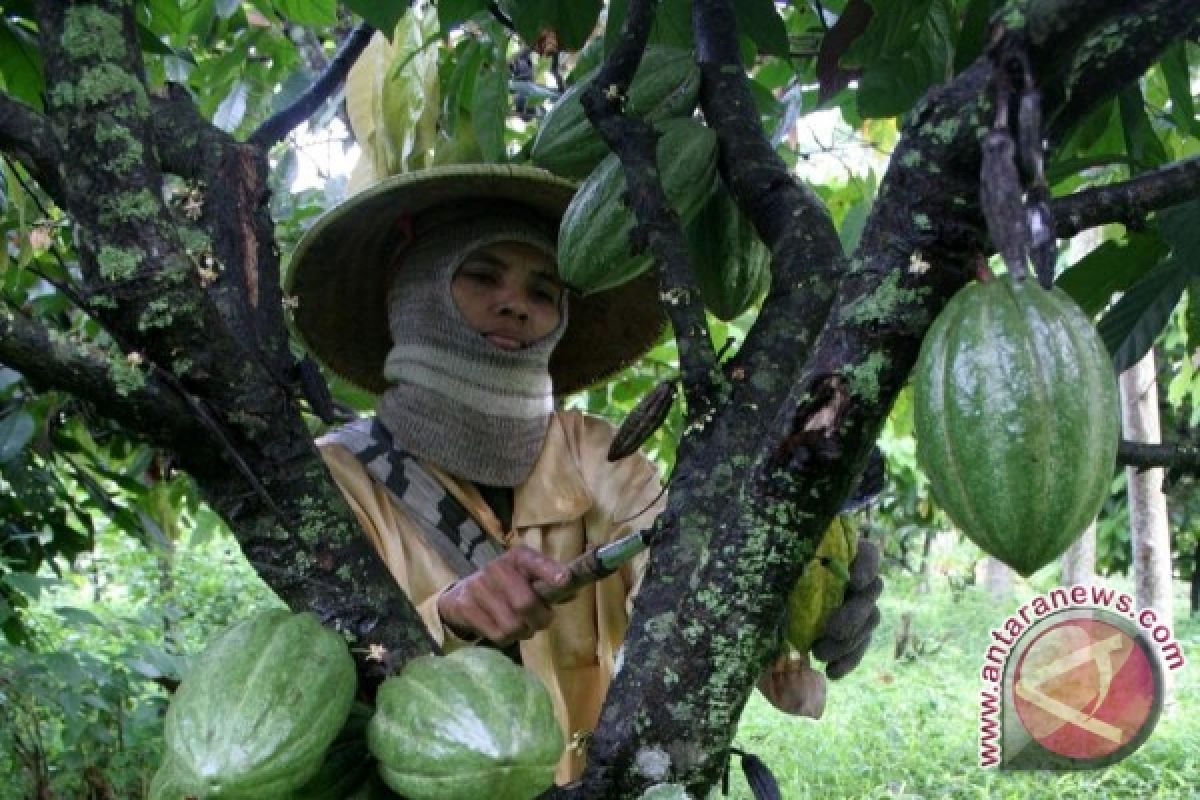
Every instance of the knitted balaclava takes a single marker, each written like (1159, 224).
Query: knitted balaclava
(473, 409)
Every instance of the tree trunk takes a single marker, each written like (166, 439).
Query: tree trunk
(1079, 562)
(999, 579)
(1150, 533)
(775, 436)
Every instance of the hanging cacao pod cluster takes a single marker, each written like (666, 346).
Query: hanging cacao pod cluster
(731, 264)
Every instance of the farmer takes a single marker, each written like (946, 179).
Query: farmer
(437, 292)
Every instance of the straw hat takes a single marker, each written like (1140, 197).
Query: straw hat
(340, 274)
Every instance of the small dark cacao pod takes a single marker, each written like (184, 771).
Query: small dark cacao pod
(647, 416)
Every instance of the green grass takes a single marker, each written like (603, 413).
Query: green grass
(909, 728)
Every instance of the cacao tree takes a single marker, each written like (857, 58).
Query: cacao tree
(147, 214)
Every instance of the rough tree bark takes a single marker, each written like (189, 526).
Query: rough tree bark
(784, 427)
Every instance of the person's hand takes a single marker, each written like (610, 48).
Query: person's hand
(498, 602)
(794, 687)
(847, 632)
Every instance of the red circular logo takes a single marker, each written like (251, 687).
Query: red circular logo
(1084, 688)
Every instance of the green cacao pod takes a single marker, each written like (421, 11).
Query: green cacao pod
(666, 85)
(168, 784)
(1016, 419)
(465, 726)
(732, 265)
(822, 586)
(347, 766)
(593, 240)
(257, 711)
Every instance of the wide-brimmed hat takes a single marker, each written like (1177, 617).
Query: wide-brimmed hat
(342, 268)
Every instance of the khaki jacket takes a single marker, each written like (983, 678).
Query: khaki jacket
(572, 500)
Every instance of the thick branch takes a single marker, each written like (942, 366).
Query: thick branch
(1127, 202)
(658, 226)
(796, 226)
(788, 215)
(30, 138)
(281, 123)
(1114, 53)
(50, 360)
(188, 145)
(793, 465)
(199, 298)
(1143, 455)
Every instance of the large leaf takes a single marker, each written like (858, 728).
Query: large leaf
(454, 12)
(489, 108)
(383, 14)
(1192, 323)
(672, 23)
(760, 20)
(1141, 142)
(1131, 326)
(910, 53)
(1174, 65)
(309, 12)
(1180, 227)
(1112, 267)
(571, 21)
(973, 35)
(232, 109)
(20, 62)
(16, 430)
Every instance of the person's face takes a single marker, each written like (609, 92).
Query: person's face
(509, 293)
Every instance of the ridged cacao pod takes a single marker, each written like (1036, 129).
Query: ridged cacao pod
(822, 586)
(666, 85)
(465, 726)
(732, 265)
(347, 766)
(1016, 419)
(593, 241)
(257, 711)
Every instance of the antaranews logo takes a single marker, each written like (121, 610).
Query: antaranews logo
(1073, 679)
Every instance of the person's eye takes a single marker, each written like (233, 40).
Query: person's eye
(545, 296)
(481, 275)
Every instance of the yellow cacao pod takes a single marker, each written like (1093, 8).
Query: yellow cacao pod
(822, 586)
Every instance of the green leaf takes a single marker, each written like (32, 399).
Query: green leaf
(1192, 323)
(29, 585)
(452, 12)
(1141, 142)
(383, 14)
(309, 12)
(77, 617)
(1180, 226)
(1112, 267)
(150, 43)
(1131, 326)
(1175, 70)
(571, 20)
(20, 63)
(973, 35)
(489, 107)
(163, 17)
(232, 109)
(16, 431)
(913, 54)
(672, 23)
(760, 20)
